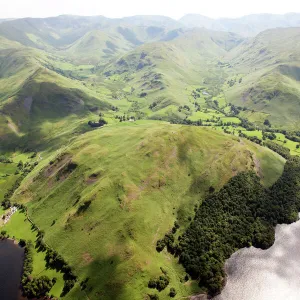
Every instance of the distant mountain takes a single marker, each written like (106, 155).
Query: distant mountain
(246, 26)
(154, 56)
(64, 30)
(89, 39)
(4, 20)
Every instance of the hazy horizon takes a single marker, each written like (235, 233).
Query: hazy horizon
(150, 15)
(118, 9)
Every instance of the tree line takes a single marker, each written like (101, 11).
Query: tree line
(242, 214)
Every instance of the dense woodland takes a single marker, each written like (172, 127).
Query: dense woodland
(243, 213)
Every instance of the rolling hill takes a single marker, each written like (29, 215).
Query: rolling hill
(269, 67)
(162, 72)
(122, 194)
(35, 95)
(103, 197)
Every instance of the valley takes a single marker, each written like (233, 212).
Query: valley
(120, 138)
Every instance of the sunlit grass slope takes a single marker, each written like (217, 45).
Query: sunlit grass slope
(108, 197)
(269, 67)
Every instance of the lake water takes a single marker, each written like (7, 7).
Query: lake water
(273, 274)
(11, 264)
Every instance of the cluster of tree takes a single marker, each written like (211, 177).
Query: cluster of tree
(153, 105)
(100, 123)
(197, 106)
(33, 287)
(185, 107)
(3, 235)
(247, 125)
(38, 288)
(83, 284)
(216, 103)
(235, 110)
(231, 82)
(114, 108)
(6, 200)
(196, 94)
(5, 160)
(57, 262)
(124, 118)
(33, 155)
(283, 151)
(253, 139)
(241, 214)
(167, 240)
(292, 137)
(269, 135)
(172, 293)
(142, 95)
(161, 282)
(25, 168)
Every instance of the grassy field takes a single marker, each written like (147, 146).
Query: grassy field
(95, 216)
(283, 141)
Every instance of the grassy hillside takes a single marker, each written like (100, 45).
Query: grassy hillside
(268, 67)
(156, 64)
(107, 198)
(41, 98)
(160, 75)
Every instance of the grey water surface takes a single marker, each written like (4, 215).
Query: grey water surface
(272, 274)
(11, 265)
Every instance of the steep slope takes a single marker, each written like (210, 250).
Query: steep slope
(37, 104)
(97, 46)
(124, 191)
(269, 67)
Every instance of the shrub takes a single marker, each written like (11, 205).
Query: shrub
(172, 292)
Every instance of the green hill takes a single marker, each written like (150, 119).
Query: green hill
(269, 68)
(39, 101)
(103, 197)
(125, 191)
(163, 72)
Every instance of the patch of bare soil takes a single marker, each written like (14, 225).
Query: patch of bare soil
(87, 258)
(57, 164)
(65, 171)
(257, 167)
(93, 178)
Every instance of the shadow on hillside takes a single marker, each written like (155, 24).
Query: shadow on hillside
(51, 104)
(104, 280)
